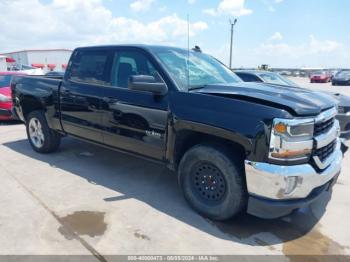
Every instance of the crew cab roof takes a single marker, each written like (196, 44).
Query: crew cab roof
(153, 48)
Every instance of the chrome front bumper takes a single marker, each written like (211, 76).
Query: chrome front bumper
(272, 181)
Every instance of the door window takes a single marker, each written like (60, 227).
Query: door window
(129, 63)
(90, 67)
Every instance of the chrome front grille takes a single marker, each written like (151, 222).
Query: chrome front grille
(323, 127)
(326, 134)
(325, 152)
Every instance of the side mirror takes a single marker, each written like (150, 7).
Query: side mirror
(147, 84)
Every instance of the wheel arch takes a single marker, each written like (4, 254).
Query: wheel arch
(186, 134)
(30, 104)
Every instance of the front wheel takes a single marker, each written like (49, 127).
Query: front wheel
(41, 137)
(212, 181)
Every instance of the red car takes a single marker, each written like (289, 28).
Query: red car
(321, 77)
(5, 95)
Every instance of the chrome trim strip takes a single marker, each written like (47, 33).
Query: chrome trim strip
(326, 115)
(327, 138)
(326, 163)
(297, 145)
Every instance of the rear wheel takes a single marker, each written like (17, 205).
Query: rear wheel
(212, 181)
(41, 137)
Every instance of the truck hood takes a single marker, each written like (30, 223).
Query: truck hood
(297, 101)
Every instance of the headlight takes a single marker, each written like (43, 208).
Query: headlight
(5, 98)
(291, 139)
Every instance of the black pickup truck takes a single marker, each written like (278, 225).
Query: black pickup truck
(235, 146)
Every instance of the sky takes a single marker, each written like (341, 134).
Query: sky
(280, 33)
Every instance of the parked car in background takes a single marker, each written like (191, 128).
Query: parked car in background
(6, 95)
(343, 114)
(26, 69)
(264, 77)
(296, 73)
(334, 72)
(274, 78)
(320, 77)
(286, 73)
(341, 78)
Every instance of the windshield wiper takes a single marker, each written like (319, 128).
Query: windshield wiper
(196, 87)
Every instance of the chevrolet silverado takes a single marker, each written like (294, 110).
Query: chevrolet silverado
(235, 146)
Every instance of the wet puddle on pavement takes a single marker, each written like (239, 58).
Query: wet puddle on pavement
(299, 234)
(83, 223)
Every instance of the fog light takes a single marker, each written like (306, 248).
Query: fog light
(291, 184)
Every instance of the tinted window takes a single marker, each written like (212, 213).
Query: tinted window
(90, 67)
(5, 80)
(249, 77)
(343, 74)
(128, 63)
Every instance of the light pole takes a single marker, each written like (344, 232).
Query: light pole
(232, 27)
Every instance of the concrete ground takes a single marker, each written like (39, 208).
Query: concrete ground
(88, 200)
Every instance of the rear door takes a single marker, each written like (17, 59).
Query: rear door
(81, 93)
(134, 121)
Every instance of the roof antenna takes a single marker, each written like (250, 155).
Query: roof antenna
(188, 52)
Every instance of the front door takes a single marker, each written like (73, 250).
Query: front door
(134, 121)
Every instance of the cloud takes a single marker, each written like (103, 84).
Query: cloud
(272, 9)
(276, 36)
(166, 29)
(327, 46)
(312, 47)
(141, 5)
(314, 52)
(71, 23)
(191, 2)
(271, 4)
(229, 7)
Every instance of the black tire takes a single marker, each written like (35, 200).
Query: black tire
(50, 139)
(221, 164)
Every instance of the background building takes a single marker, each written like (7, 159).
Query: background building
(47, 59)
(3, 65)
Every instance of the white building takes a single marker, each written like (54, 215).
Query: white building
(3, 64)
(47, 59)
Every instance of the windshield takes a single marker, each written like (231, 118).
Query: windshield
(343, 74)
(5, 80)
(202, 69)
(273, 78)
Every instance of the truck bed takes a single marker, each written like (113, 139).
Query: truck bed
(27, 90)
